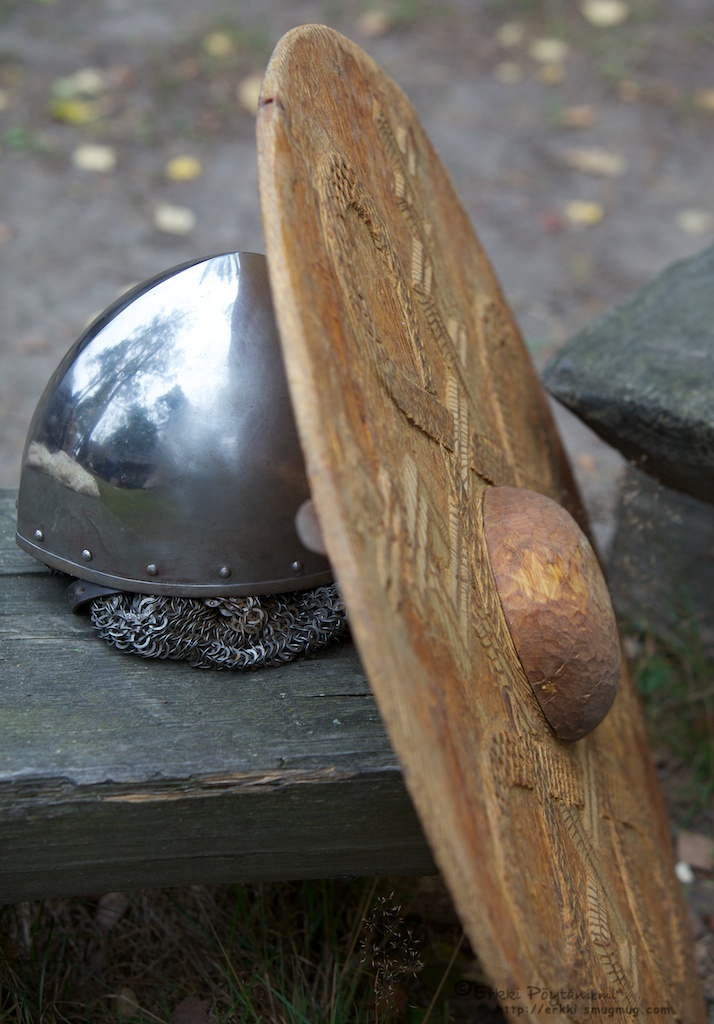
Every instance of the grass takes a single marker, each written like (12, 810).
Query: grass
(675, 679)
(315, 952)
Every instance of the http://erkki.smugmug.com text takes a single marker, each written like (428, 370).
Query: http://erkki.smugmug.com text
(536, 1001)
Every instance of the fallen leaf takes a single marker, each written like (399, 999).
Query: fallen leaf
(4, 99)
(174, 220)
(593, 160)
(508, 72)
(583, 213)
(74, 111)
(696, 850)
(694, 222)
(126, 1003)
(551, 74)
(183, 168)
(373, 24)
(548, 50)
(684, 873)
(110, 909)
(578, 117)
(86, 83)
(511, 33)
(192, 1010)
(249, 92)
(704, 99)
(218, 44)
(93, 157)
(605, 13)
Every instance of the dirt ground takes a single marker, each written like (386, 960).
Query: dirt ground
(582, 152)
(513, 123)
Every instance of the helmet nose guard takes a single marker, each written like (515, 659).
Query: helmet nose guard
(163, 456)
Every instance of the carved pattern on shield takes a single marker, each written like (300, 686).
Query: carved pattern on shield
(501, 351)
(419, 508)
(431, 385)
(558, 826)
(357, 221)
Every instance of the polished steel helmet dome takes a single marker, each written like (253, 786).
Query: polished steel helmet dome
(163, 456)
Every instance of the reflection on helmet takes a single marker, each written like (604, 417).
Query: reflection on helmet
(163, 460)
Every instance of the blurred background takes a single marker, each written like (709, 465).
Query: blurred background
(579, 136)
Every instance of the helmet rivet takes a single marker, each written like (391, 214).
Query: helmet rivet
(225, 571)
(297, 566)
(87, 555)
(39, 535)
(153, 570)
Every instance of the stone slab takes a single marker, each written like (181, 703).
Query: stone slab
(642, 376)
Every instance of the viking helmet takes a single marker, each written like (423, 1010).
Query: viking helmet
(163, 457)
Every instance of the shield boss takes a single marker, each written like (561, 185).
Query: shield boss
(414, 396)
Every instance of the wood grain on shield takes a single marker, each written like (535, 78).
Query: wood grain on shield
(414, 394)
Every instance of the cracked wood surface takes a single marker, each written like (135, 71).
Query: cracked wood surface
(118, 772)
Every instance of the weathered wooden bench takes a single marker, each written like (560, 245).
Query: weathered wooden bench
(118, 772)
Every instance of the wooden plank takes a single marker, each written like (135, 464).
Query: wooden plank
(121, 772)
(12, 558)
(212, 830)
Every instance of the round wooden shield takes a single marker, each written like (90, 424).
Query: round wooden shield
(414, 394)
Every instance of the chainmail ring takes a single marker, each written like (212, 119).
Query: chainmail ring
(224, 633)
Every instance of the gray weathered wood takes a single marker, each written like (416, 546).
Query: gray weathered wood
(116, 772)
